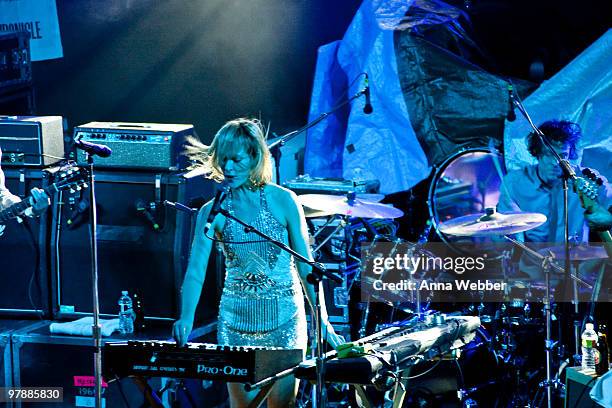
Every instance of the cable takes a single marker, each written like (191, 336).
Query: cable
(412, 377)
(30, 234)
(123, 396)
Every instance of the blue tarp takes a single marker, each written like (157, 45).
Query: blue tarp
(581, 92)
(351, 144)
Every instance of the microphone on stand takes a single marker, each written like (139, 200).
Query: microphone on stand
(367, 108)
(216, 207)
(93, 149)
(511, 116)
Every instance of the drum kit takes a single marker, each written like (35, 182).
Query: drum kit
(516, 317)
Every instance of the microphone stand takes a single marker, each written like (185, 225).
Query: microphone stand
(96, 328)
(275, 147)
(568, 173)
(314, 278)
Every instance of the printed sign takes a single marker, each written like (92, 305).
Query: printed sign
(39, 19)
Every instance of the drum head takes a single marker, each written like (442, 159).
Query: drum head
(466, 183)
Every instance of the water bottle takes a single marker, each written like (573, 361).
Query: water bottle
(589, 348)
(126, 314)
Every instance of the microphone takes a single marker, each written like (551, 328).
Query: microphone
(216, 207)
(144, 208)
(93, 148)
(367, 108)
(511, 116)
(80, 208)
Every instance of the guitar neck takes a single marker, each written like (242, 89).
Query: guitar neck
(16, 209)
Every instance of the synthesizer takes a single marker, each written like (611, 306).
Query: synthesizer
(195, 360)
(395, 349)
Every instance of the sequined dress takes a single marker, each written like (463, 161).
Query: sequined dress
(262, 302)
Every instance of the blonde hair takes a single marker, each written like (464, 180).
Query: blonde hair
(235, 134)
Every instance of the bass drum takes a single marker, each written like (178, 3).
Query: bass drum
(478, 370)
(466, 183)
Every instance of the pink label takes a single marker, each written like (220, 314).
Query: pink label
(86, 381)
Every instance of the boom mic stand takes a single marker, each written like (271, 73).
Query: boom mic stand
(567, 173)
(275, 147)
(314, 278)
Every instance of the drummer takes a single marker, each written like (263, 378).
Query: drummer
(538, 188)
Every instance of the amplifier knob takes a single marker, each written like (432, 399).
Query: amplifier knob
(144, 138)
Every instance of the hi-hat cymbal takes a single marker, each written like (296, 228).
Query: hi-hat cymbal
(580, 252)
(492, 223)
(333, 204)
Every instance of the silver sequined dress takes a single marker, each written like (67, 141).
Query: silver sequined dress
(262, 302)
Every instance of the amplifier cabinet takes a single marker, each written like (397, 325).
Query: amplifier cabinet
(155, 146)
(577, 388)
(31, 140)
(133, 254)
(42, 359)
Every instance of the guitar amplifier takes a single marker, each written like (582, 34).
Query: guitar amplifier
(155, 146)
(30, 141)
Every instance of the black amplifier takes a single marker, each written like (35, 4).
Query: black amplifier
(15, 63)
(136, 145)
(31, 140)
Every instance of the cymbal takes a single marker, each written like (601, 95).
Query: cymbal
(492, 223)
(334, 204)
(580, 252)
(312, 213)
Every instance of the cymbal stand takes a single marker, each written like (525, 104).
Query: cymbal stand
(548, 265)
(549, 343)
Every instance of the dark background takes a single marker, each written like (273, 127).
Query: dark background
(203, 62)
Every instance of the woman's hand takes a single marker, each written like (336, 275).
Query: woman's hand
(181, 331)
(332, 338)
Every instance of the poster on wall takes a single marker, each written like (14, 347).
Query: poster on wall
(39, 19)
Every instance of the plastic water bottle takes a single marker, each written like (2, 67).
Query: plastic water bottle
(589, 347)
(126, 314)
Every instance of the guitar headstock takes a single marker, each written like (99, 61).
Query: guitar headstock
(587, 188)
(71, 178)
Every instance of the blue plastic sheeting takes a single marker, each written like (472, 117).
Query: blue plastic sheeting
(351, 144)
(580, 92)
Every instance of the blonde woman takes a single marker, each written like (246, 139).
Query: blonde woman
(262, 302)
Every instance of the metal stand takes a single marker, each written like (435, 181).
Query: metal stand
(314, 278)
(96, 329)
(548, 343)
(282, 140)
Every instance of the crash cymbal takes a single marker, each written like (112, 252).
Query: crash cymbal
(492, 223)
(312, 213)
(580, 252)
(354, 208)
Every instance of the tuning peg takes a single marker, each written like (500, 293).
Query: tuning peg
(85, 185)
